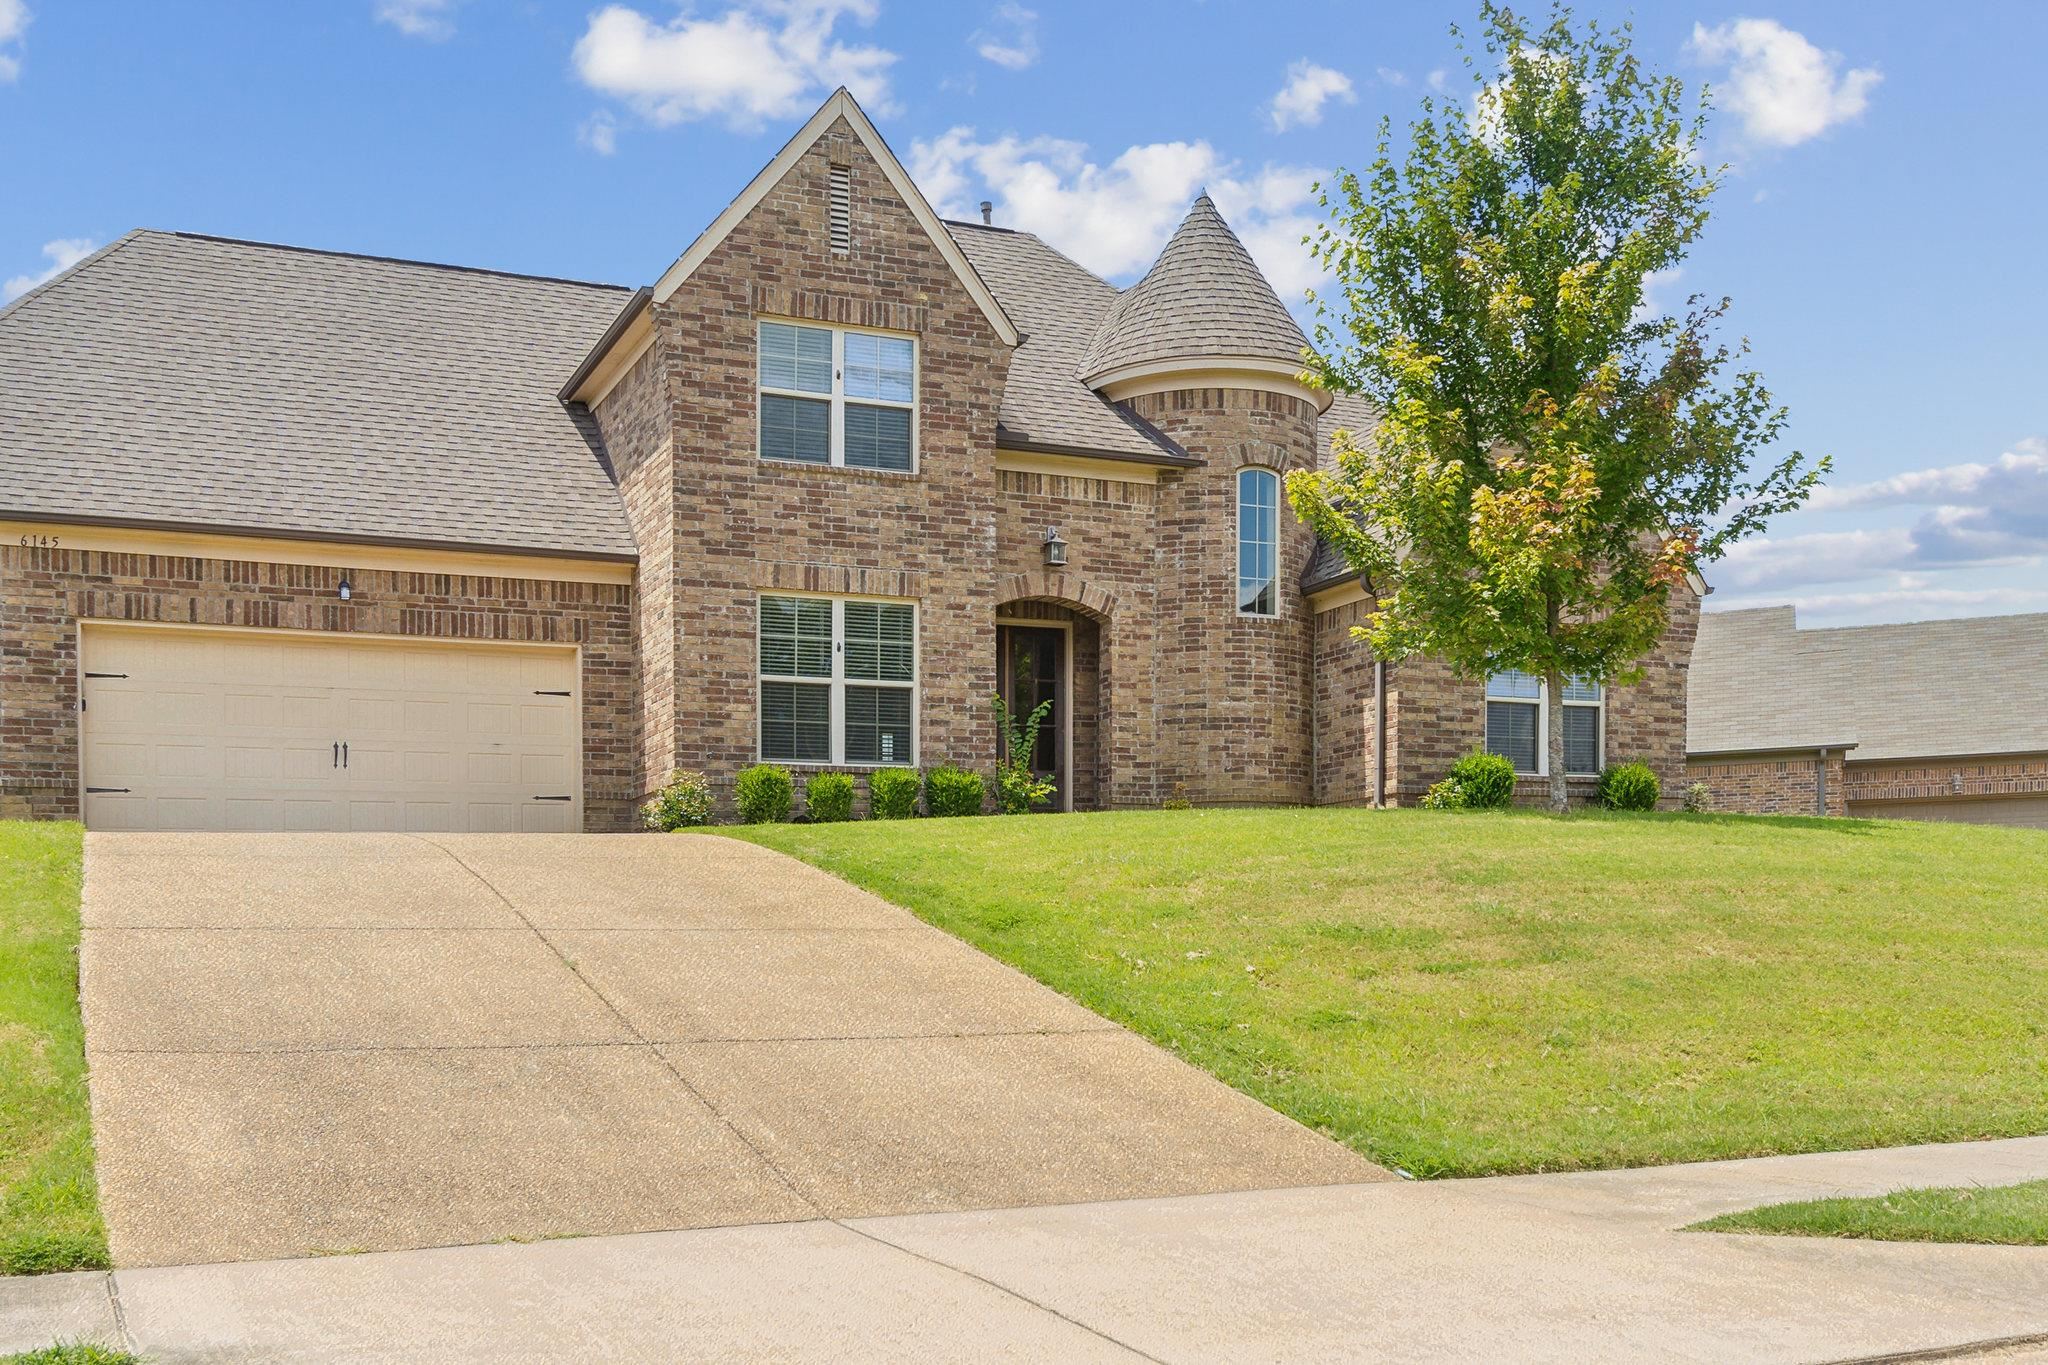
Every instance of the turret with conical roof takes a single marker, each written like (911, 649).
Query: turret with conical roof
(1202, 314)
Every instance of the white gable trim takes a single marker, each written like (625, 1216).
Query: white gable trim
(840, 105)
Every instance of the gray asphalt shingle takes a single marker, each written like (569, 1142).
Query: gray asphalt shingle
(193, 381)
(1921, 689)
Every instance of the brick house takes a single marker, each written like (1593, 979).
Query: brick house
(1921, 720)
(296, 539)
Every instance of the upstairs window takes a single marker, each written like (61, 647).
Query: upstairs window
(836, 397)
(1517, 722)
(838, 681)
(1258, 542)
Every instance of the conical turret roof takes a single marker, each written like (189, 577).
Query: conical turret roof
(1203, 300)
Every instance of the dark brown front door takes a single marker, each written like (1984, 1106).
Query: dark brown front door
(1030, 668)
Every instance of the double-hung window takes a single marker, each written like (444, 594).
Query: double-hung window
(1517, 722)
(835, 397)
(838, 681)
(1258, 542)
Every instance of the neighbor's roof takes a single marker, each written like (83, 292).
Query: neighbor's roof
(1926, 689)
(1204, 298)
(1353, 413)
(198, 382)
(1057, 305)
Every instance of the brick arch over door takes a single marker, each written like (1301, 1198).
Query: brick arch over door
(1101, 700)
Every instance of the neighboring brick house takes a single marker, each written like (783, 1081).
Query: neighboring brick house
(297, 539)
(1927, 720)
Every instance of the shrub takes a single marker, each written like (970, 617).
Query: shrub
(1487, 781)
(828, 797)
(683, 804)
(1019, 790)
(1444, 795)
(765, 792)
(892, 793)
(1699, 798)
(1179, 799)
(1629, 786)
(953, 791)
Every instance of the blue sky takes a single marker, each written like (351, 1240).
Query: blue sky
(1880, 232)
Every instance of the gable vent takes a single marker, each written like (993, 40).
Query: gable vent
(842, 210)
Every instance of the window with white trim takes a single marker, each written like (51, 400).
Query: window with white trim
(1517, 722)
(838, 681)
(1258, 542)
(835, 397)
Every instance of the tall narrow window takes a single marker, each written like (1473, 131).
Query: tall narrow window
(837, 397)
(1517, 722)
(1258, 542)
(841, 211)
(838, 681)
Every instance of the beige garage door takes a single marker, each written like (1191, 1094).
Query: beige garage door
(2028, 812)
(191, 729)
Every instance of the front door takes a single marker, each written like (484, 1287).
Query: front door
(1030, 670)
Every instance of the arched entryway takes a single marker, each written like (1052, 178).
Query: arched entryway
(1052, 644)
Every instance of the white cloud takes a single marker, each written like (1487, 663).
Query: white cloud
(433, 20)
(600, 133)
(769, 59)
(1978, 523)
(1390, 76)
(1113, 218)
(1011, 39)
(1654, 302)
(14, 18)
(62, 254)
(1309, 87)
(1783, 88)
(1905, 602)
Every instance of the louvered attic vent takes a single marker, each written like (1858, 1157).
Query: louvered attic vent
(842, 210)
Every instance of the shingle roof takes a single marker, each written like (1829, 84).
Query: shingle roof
(1058, 305)
(1204, 297)
(1926, 689)
(1354, 413)
(194, 381)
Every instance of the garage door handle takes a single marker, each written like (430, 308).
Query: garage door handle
(344, 753)
(539, 693)
(554, 798)
(99, 791)
(337, 753)
(106, 675)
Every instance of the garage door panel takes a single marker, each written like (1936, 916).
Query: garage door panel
(439, 736)
(2023, 812)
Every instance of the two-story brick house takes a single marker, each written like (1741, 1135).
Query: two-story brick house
(295, 539)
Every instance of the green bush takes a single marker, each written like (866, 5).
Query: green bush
(683, 804)
(765, 792)
(1444, 795)
(1629, 786)
(1179, 799)
(892, 793)
(828, 798)
(1486, 780)
(953, 791)
(1699, 798)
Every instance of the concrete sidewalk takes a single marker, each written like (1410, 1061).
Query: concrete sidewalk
(1532, 1268)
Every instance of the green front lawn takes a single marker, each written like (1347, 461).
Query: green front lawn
(49, 1203)
(2010, 1215)
(1471, 994)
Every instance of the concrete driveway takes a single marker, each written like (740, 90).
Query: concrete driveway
(314, 1043)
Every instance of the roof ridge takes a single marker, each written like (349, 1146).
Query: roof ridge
(370, 256)
(86, 262)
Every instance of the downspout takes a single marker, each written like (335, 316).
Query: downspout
(1820, 785)
(1379, 734)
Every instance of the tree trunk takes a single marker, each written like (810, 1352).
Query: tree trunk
(1553, 740)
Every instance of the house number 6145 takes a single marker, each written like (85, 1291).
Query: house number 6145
(36, 542)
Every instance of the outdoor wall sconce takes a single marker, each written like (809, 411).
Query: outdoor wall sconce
(1055, 549)
(346, 590)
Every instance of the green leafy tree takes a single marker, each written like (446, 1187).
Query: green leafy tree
(1019, 788)
(1553, 457)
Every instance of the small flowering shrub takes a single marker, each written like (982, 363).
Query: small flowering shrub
(953, 791)
(1487, 780)
(1629, 786)
(764, 793)
(1444, 795)
(828, 798)
(684, 803)
(892, 793)
(1699, 798)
